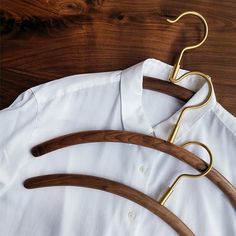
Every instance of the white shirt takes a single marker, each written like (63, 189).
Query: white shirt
(112, 100)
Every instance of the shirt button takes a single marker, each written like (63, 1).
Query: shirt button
(142, 169)
(131, 215)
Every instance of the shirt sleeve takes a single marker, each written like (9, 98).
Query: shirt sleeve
(17, 123)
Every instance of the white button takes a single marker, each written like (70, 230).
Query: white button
(131, 215)
(143, 169)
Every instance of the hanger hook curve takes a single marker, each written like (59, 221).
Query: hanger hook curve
(201, 104)
(176, 67)
(167, 194)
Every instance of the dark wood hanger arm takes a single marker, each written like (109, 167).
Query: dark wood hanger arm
(168, 88)
(142, 140)
(111, 187)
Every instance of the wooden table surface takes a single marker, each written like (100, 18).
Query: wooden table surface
(47, 39)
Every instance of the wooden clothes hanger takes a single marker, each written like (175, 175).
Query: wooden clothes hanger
(171, 88)
(110, 186)
(181, 153)
(142, 140)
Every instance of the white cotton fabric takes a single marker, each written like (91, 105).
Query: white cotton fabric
(112, 100)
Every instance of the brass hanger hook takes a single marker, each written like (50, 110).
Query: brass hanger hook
(201, 104)
(176, 67)
(167, 194)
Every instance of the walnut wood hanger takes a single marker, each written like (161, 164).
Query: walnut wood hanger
(142, 140)
(111, 187)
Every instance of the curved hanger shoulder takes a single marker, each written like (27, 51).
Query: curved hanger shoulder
(138, 139)
(168, 88)
(111, 187)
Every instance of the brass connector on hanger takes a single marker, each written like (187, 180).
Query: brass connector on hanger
(170, 190)
(175, 130)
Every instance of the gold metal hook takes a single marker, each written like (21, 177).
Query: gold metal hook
(167, 194)
(176, 67)
(201, 104)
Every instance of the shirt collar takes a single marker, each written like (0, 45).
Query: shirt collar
(133, 116)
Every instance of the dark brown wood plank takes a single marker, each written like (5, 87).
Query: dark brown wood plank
(49, 39)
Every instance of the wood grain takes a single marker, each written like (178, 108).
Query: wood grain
(142, 140)
(166, 87)
(110, 186)
(47, 39)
